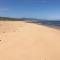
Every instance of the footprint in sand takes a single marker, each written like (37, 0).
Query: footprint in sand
(0, 40)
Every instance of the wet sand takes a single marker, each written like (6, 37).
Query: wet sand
(27, 41)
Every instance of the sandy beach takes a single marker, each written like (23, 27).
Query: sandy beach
(28, 41)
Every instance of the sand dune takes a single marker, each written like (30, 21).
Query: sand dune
(27, 41)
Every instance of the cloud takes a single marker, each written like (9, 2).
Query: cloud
(4, 9)
(44, 1)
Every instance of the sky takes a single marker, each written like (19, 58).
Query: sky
(39, 9)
